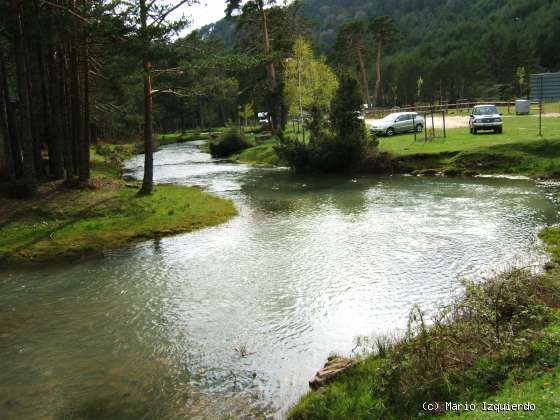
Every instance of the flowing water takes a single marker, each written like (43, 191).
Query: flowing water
(234, 320)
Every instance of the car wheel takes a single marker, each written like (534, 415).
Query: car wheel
(500, 130)
(475, 131)
(419, 128)
(390, 132)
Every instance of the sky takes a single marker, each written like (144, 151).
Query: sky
(208, 11)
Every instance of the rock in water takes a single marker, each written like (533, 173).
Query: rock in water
(334, 367)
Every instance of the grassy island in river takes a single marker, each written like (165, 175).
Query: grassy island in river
(62, 222)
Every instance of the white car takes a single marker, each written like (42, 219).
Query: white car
(398, 122)
(263, 118)
(485, 117)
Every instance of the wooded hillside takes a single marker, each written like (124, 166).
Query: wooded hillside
(460, 50)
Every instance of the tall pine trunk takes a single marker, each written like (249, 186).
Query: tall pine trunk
(378, 71)
(363, 73)
(148, 180)
(276, 117)
(13, 131)
(76, 107)
(29, 174)
(34, 110)
(50, 118)
(4, 130)
(65, 125)
(86, 138)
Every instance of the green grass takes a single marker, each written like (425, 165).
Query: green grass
(64, 223)
(543, 392)
(70, 223)
(551, 237)
(542, 389)
(188, 135)
(519, 150)
(517, 130)
(262, 154)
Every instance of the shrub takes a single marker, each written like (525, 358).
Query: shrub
(295, 153)
(337, 145)
(229, 143)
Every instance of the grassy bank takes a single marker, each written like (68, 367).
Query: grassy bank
(262, 154)
(62, 222)
(518, 151)
(498, 343)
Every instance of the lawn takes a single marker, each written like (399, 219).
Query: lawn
(74, 223)
(518, 130)
(518, 151)
(63, 222)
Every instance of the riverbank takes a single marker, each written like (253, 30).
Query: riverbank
(64, 222)
(518, 151)
(498, 344)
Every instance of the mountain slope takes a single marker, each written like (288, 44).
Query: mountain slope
(461, 50)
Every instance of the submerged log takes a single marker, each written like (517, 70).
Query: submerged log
(333, 368)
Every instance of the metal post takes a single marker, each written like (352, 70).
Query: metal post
(540, 108)
(444, 133)
(433, 125)
(425, 128)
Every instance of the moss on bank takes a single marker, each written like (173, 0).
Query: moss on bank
(63, 222)
(263, 154)
(499, 343)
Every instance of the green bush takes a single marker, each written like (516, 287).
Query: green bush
(336, 145)
(228, 144)
(348, 146)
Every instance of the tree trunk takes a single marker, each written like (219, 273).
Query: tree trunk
(378, 70)
(76, 108)
(4, 130)
(148, 181)
(363, 72)
(64, 117)
(270, 69)
(34, 115)
(29, 174)
(56, 168)
(86, 139)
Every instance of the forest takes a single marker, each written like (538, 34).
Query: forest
(76, 71)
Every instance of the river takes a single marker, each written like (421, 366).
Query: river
(234, 320)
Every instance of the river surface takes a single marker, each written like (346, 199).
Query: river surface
(234, 320)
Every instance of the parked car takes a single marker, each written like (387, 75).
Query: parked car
(263, 118)
(485, 117)
(398, 122)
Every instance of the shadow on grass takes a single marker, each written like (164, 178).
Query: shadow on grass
(75, 218)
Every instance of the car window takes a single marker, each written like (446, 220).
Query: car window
(390, 117)
(485, 110)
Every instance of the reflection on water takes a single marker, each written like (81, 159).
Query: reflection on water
(156, 330)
